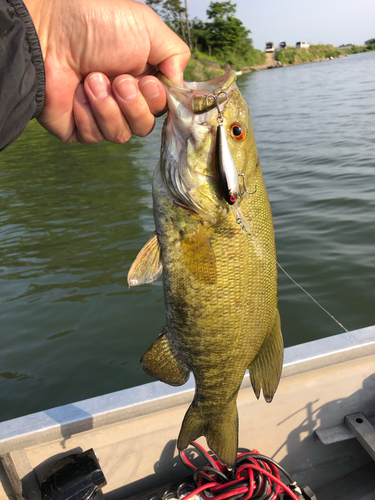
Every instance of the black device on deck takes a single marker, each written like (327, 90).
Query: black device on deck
(75, 477)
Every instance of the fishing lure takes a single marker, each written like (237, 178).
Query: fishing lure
(226, 169)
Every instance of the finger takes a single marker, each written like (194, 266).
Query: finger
(173, 68)
(105, 109)
(154, 93)
(87, 130)
(167, 50)
(133, 105)
(73, 137)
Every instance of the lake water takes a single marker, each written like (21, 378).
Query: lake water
(73, 218)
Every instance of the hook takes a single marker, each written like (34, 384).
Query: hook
(245, 188)
(216, 97)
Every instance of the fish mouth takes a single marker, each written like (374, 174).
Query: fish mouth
(203, 95)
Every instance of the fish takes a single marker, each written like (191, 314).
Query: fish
(214, 246)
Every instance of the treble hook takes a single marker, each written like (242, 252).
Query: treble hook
(246, 191)
(216, 97)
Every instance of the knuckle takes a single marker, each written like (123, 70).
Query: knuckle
(89, 137)
(145, 131)
(143, 124)
(68, 140)
(121, 137)
(186, 53)
(96, 138)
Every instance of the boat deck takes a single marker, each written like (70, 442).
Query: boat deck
(133, 432)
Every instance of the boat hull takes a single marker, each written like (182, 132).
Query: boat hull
(133, 432)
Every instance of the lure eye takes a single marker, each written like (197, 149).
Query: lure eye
(233, 198)
(238, 132)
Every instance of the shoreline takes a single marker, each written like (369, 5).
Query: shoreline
(277, 64)
(204, 69)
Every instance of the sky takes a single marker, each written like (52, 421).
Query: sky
(316, 21)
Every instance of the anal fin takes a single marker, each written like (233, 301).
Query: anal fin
(147, 266)
(265, 369)
(162, 363)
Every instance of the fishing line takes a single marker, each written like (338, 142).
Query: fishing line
(228, 179)
(308, 294)
(239, 221)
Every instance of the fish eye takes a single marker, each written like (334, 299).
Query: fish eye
(238, 131)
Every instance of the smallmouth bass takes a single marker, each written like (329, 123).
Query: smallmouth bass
(215, 246)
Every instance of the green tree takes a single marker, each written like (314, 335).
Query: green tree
(223, 35)
(156, 5)
(175, 15)
(227, 32)
(199, 35)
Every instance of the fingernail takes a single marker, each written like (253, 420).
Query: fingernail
(81, 94)
(150, 90)
(99, 86)
(127, 89)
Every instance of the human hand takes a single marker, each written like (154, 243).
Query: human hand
(100, 57)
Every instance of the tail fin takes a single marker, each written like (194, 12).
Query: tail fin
(221, 432)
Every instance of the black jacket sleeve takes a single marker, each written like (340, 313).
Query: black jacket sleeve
(22, 77)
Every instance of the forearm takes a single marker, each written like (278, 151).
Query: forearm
(22, 77)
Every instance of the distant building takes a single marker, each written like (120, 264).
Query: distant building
(302, 45)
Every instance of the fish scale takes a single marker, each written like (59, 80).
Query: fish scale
(219, 276)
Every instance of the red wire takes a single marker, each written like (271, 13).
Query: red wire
(203, 451)
(244, 472)
(231, 493)
(274, 478)
(246, 453)
(251, 485)
(188, 461)
(198, 490)
(271, 467)
(225, 485)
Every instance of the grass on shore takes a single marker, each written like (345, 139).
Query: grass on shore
(292, 55)
(202, 66)
(197, 71)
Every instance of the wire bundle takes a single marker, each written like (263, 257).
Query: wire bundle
(254, 476)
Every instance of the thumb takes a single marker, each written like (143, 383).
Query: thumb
(173, 68)
(167, 50)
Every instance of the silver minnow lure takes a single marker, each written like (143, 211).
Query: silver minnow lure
(227, 171)
(226, 168)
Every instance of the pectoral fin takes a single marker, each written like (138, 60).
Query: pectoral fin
(265, 369)
(199, 256)
(147, 266)
(162, 363)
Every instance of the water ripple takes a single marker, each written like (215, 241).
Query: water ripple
(73, 218)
